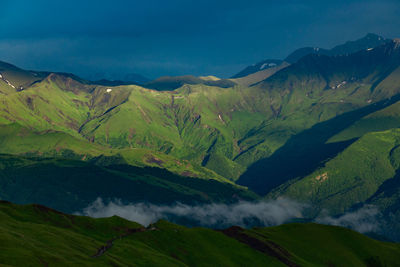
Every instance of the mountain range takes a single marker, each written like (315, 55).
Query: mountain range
(367, 42)
(320, 127)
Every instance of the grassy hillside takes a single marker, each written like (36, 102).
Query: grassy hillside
(332, 99)
(71, 185)
(225, 130)
(351, 177)
(18, 140)
(42, 236)
(262, 136)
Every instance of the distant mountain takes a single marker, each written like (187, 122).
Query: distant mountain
(259, 76)
(169, 83)
(13, 78)
(263, 65)
(369, 41)
(117, 79)
(302, 52)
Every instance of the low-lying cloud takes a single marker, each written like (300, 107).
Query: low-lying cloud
(364, 220)
(243, 213)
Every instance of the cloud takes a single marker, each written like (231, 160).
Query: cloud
(264, 213)
(367, 219)
(364, 220)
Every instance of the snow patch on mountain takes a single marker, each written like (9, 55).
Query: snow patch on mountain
(270, 65)
(6, 81)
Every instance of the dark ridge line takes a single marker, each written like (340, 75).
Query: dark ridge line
(268, 247)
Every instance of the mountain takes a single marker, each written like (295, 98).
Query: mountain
(366, 78)
(117, 79)
(367, 42)
(263, 65)
(304, 51)
(42, 236)
(13, 78)
(259, 76)
(271, 133)
(77, 184)
(170, 83)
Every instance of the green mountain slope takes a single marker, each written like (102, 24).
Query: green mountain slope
(261, 136)
(349, 83)
(71, 185)
(42, 236)
(351, 177)
(223, 129)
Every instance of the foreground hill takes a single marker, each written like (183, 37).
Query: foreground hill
(43, 236)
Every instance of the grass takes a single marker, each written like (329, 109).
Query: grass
(321, 245)
(351, 177)
(38, 235)
(302, 117)
(71, 185)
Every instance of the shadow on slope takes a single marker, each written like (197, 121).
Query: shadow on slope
(69, 185)
(305, 151)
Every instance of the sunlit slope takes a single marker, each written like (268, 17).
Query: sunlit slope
(238, 126)
(351, 177)
(318, 90)
(223, 129)
(18, 140)
(39, 235)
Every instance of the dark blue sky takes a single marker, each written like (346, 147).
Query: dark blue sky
(175, 37)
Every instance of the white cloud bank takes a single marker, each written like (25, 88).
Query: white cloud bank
(363, 220)
(268, 213)
(243, 213)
